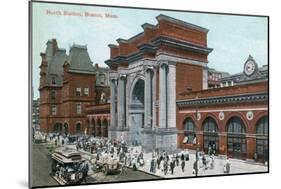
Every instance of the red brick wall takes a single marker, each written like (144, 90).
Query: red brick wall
(66, 101)
(164, 28)
(250, 125)
(188, 76)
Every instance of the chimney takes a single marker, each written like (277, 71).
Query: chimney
(97, 66)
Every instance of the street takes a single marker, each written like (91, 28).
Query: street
(41, 167)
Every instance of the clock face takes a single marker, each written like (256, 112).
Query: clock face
(250, 67)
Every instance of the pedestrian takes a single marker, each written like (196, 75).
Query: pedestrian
(195, 168)
(152, 166)
(214, 149)
(204, 161)
(227, 167)
(209, 150)
(182, 165)
(177, 160)
(172, 166)
(158, 162)
(165, 167)
(85, 170)
(212, 162)
(182, 156)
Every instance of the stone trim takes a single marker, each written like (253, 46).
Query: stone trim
(182, 23)
(255, 97)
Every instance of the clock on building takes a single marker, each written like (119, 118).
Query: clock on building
(250, 67)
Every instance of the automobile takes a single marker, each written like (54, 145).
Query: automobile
(67, 166)
(106, 163)
(39, 137)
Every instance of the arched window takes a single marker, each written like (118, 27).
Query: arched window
(262, 126)
(78, 127)
(57, 128)
(262, 149)
(236, 138)
(189, 131)
(102, 79)
(65, 127)
(236, 126)
(210, 125)
(211, 138)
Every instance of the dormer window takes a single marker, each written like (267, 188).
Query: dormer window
(102, 79)
(53, 80)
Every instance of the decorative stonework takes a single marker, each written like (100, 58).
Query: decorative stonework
(221, 116)
(250, 115)
(198, 116)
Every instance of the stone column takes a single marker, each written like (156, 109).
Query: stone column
(121, 102)
(171, 94)
(113, 103)
(148, 98)
(162, 96)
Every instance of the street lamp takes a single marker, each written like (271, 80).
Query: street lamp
(197, 143)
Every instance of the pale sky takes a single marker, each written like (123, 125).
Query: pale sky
(233, 38)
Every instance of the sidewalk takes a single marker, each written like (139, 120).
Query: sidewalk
(237, 165)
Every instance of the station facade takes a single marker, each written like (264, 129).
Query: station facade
(162, 96)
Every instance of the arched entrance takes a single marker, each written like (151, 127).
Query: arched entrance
(65, 128)
(93, 128)
(78, 128)
(262, 139)
(98, 128)
(105, 128)
(189, 131)
(57, 128)
(236, 138)
(136, 110)
(210, 135)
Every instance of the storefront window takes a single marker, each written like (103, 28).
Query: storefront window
(262, 139)
(189, 132)
(236, 138)
(211, 139)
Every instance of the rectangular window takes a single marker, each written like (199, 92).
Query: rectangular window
(86, 91)
(78, 91)
(78, 108)
(54, 109)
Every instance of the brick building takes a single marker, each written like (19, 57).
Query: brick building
(67, 86)
(163, 95)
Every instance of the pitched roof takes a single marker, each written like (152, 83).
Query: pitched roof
(55, 67)
(79, 60)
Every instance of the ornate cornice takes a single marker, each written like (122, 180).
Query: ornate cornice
(244, 98)
(153, 46)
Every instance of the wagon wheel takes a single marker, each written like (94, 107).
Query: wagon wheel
(105, 169)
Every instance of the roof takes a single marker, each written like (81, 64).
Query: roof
(79, 59)
(55, 67)
(260, 74)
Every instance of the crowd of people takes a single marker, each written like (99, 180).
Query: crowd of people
(133, 157)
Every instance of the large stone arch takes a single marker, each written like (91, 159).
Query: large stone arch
(136, 109)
